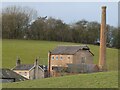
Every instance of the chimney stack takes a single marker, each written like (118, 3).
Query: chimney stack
(18, 62)
(102, 53)
(49, 64)
(36, 64)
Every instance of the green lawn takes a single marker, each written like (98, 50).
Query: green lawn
(94, 80)
(28, 50)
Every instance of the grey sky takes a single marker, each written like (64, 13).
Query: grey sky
(71, 12)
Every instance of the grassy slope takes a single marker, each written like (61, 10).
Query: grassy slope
(28, 50)
(0, 53)
(95, 80)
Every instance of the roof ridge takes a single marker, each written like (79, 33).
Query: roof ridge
(72, 45)
(26, 64)
(68, 49)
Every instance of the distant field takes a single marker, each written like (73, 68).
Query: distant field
(28, 50)
(95, 80)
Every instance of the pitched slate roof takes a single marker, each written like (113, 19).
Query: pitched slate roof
(68, 49)
(27, 67)
(7, 73)
(23, 67)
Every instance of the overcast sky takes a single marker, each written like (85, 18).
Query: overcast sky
(71, 12)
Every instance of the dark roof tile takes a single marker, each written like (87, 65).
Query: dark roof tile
(7, 73)
(27, 67)
(23, 67)
(68, 49)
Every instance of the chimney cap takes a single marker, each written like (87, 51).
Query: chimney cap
(49, 51)
(18, 61)
(36, 61)
(104, 7)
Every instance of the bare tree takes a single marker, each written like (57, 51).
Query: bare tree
(15, 20)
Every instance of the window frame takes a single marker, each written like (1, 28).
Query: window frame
(25, 73)
(20, 72)
(68, 57)
(56, 57)
(61, 58)
(53, 58)
(83, 59)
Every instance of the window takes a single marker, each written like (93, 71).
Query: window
(83, 60)
(61, 58)
(68, 57)
(56, 57)
(52, 68)
(19, 72)
(25, 73)
(52, 57)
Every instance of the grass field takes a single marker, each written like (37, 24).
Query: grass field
(95, 80)
(0, 53)
(28, 50)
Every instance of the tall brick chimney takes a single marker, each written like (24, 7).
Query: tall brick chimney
(49, 64)
(102, 53)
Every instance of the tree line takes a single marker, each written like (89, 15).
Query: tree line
(23, 23)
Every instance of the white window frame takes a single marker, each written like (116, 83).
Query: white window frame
(56, 57)
(52, 57)
(25, 74)
(61, 58)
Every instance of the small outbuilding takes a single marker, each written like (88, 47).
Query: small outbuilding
(30, 71)
(7, 75)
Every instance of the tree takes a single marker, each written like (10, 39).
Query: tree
(86, 32)
(15, 20)
(37, 29)
(49, 29)
(93, 32)
(115, 37)
(56, 29)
